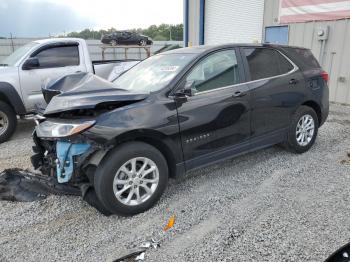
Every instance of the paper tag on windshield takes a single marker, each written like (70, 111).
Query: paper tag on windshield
(169, 68)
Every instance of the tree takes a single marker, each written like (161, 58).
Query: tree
(161, 32)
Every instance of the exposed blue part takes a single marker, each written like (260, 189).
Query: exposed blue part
(201, 21)
(186, 14)
(65, 152)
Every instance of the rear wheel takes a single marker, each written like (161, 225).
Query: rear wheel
(131, 178)
(143, 42)
(303, 130)
(8, 121)
(114, 42)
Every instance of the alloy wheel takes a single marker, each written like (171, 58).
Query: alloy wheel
(305, 130)
(136, 181)
(4, 122)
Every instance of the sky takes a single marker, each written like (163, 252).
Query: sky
(41, 18)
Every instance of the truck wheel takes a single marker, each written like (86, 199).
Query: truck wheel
(8, 122)
(131, 178)
(302, 130)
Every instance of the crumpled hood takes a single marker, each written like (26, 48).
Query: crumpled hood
(84, 91)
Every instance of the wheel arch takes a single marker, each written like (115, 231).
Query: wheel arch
(155, 139)
(9, 95)
(316, 107)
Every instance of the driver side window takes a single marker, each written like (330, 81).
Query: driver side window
(59, 56)
(216, 70)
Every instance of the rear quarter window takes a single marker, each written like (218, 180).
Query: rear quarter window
(302, 57)
(266, 62)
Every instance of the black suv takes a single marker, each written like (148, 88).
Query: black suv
(174, 112)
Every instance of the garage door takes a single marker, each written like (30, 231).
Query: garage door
(233, 21)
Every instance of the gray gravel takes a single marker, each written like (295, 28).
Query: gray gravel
(270, 205)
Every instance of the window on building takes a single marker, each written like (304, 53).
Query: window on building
(264, 63)
(216, 70)
(59, 56)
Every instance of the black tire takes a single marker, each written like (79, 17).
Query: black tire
(114, 42)
(291, 143)
(106, 171)
(7, 130)
(143, 42)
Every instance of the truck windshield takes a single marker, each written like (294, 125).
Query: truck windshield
(153, 73)
(12, 59)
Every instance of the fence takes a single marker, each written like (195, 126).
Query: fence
(7, 46)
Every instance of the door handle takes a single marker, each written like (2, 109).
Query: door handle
(239, 94)
(293, 81)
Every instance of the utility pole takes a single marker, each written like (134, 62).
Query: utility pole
(13, 47)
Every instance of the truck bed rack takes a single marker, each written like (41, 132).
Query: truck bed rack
(126, 48)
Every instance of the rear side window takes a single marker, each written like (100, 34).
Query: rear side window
(302, 57)
(59, 56)
(264, 63)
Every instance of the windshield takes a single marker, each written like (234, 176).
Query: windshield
(12, 59)
(153, 73)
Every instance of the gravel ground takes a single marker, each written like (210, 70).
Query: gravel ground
(270, 205)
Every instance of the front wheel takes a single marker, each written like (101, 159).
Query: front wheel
(8, 122)
(302, 130)
(131, 178)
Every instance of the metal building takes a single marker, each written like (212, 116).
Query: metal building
(249, 21)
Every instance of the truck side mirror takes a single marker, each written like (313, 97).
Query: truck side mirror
(31, 63)
(189, 89)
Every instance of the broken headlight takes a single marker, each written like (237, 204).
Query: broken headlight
(52, 129)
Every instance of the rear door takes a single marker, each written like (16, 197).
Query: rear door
(217, 117)
(277, 89)
(55, 61)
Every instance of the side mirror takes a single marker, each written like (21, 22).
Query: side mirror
(189, 89)
(31, 63)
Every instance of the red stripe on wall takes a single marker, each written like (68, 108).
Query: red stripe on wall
(293, 3)
(315, 16)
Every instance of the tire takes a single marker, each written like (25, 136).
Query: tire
(8, 121)
(114, 42)
(143, 42)
(296, 143)
(110, 169)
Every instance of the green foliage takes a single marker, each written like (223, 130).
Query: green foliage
(158, 33)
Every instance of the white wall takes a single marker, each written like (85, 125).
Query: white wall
(233, 21)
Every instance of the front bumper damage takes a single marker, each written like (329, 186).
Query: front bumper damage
(71, 162)
(66, 153)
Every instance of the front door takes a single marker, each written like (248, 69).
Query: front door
(217, 117)
(54, 62)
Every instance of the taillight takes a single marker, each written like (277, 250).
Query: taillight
(325, 76)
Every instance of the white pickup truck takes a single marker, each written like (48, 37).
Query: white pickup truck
(24, 72)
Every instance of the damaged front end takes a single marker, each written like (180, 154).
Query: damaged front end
(75, 103)
(62, 148)
(63, 156)
(67, 160)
